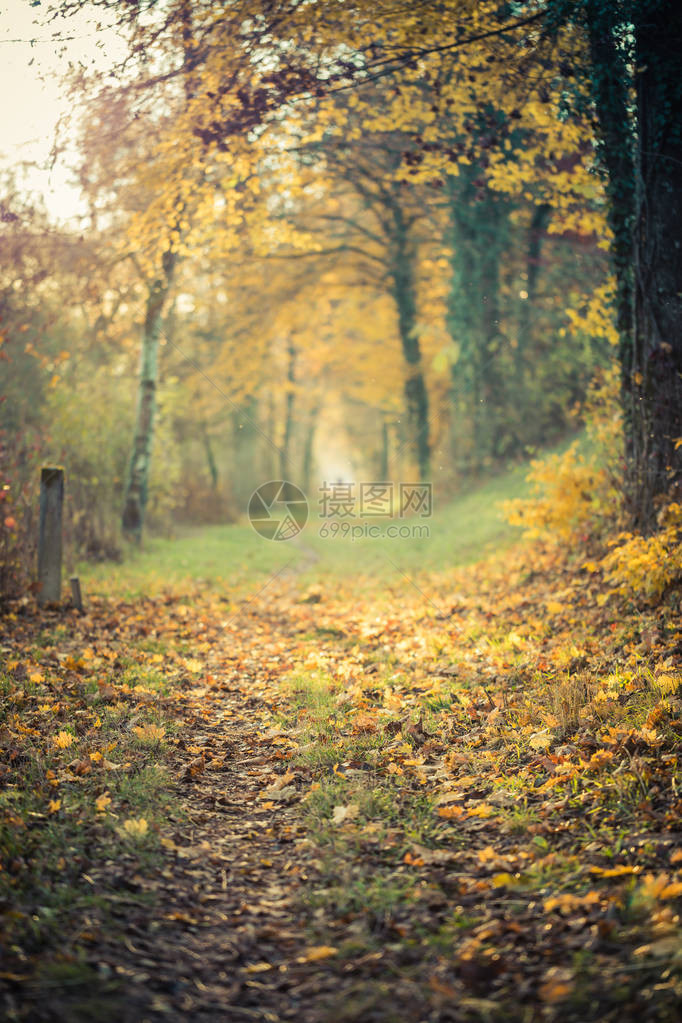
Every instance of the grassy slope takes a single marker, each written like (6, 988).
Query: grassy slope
(234, 557)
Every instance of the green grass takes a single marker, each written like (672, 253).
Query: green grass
(225, 558)
(233, 560)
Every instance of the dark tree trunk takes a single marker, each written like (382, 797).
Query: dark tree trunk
(135, 501)
(479, 222)
(536, 235)
(405, 295)
(610, 89)
(656, 379)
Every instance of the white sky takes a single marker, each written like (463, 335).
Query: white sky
(31, 98)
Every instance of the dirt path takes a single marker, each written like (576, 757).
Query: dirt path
(214, 933)
(223, 940)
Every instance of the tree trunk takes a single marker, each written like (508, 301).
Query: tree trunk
(210, 456)
(405, 295)
(656, 379)
(610, 90)
(479, 227)
(284, 452)
(308, 448)
(135, 500)
(383, 462)
(536, 234)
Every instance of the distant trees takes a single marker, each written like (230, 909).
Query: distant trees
(383, 233)
(610, 71)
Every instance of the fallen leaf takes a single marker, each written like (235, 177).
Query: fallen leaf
(63, 740)
(344, 813)
(540, 740)
(149, 732)
(451, 812)
(317, 953)
(557, 985)
(259, 967)
(135, 828)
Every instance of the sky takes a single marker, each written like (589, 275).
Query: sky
(31, 98)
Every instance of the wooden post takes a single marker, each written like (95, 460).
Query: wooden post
(50, 536)
(76, 595)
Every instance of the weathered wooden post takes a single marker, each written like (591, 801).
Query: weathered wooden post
(76, 595)
(50, 535)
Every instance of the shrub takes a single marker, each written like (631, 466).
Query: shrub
(643, 568)
(18, 514)
(577, 494)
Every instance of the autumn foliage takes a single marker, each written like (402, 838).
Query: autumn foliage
(473, 784)
(321, 781)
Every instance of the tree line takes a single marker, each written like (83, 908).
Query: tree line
(407, 234)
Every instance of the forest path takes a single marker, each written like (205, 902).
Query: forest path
(414, 802)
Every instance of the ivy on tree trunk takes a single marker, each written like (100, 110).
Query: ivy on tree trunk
(656, 382)
(137, 483)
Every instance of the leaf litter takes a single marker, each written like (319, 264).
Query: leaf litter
(373, 808)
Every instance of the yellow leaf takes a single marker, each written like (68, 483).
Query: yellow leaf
(557, 986)
(54, 805)
(504, 880)
(618, 871)
(482, 810)
(672, 891)
(102, 802)
(668, 683)
(192, 664)
(63, 740)
(554, 607)
(149, 733)
(451, 811)
(135, 827)
(316, 953)
(567, 903)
